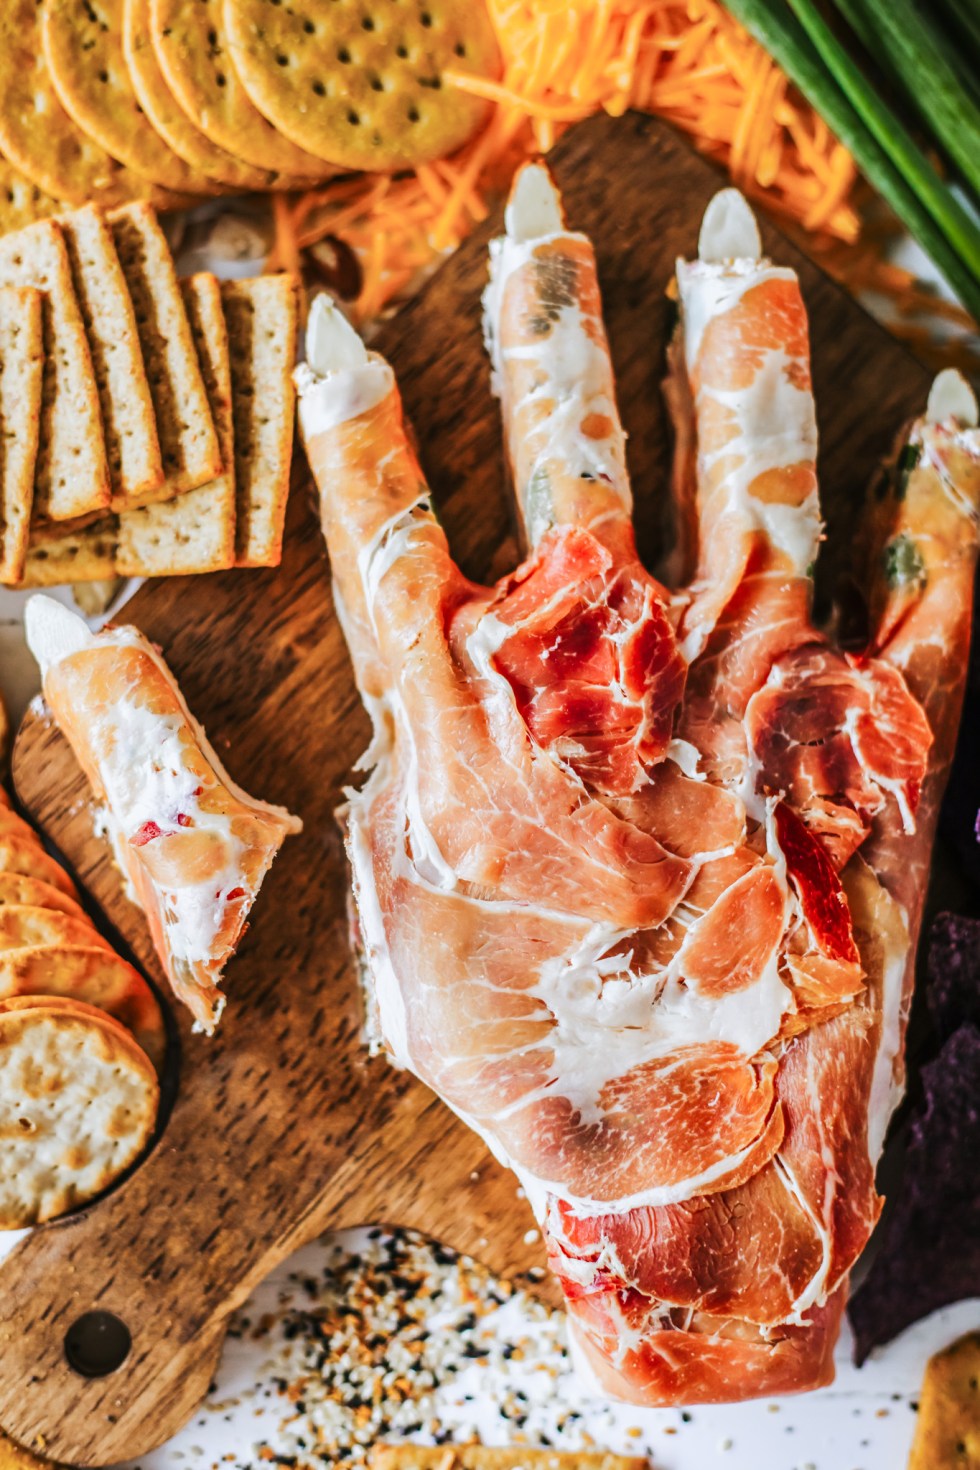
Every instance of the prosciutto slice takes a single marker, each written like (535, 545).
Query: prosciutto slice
(192, 846)
(630, 862)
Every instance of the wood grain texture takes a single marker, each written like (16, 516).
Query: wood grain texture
(282, 1126)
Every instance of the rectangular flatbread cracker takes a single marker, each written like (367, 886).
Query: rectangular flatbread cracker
(71, 475)
(196, 531)
(88, 555)
(484, 1457)
(128, 421)
(188, 439)
(21, 374)
(262, 317)
(193, 532)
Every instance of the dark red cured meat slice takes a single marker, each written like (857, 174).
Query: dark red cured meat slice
(817, 886)
(838, 738)
(593, 659)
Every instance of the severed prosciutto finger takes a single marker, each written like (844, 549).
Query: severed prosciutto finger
(629, 862)
(552, 370)
(192, 845)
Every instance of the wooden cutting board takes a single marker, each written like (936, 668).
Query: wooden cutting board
(282, 1126)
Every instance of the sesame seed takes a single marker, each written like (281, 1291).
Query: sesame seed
(399, 1339)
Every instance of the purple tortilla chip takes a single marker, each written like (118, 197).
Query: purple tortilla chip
(930, 1247)
(958, 814)
(953, 972)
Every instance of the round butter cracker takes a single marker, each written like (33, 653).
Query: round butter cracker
(189, 42)
(63, 1006)
(84, 52)
(19, 854)
(93, 976)
(170, 119)
(13, 825)
(24, 925)
(39, 138)
(360, 82)
(78, 1104)
(19, 888)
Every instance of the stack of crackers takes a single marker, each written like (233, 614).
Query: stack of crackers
(82, 1041)
(112, 101)
(96, 109)
(145, 422)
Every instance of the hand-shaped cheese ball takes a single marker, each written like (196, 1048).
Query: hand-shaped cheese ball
(639, 869)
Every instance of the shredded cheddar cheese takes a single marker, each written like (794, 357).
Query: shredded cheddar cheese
(688, 61)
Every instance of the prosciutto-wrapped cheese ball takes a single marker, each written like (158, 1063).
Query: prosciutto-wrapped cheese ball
(638, 868)
(193, 846)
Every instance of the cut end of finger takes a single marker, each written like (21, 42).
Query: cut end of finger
(729, 230)
(534, 208)
(332, 345)
(951, 397)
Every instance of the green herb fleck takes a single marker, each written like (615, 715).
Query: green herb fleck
(903, 563)
(907, 460)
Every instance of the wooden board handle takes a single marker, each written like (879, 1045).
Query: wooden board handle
(282, 1126)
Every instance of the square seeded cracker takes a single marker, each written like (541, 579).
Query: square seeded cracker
(132, 445)
(262, 318)
(188, 440)
(71, 476)
(21, 377)
(196, 531)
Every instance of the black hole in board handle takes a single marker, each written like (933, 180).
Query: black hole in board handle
(97, 1343)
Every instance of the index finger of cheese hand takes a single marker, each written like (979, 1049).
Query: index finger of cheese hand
(377, 518)
(741, 366)
(193, 844)
(552, 370)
